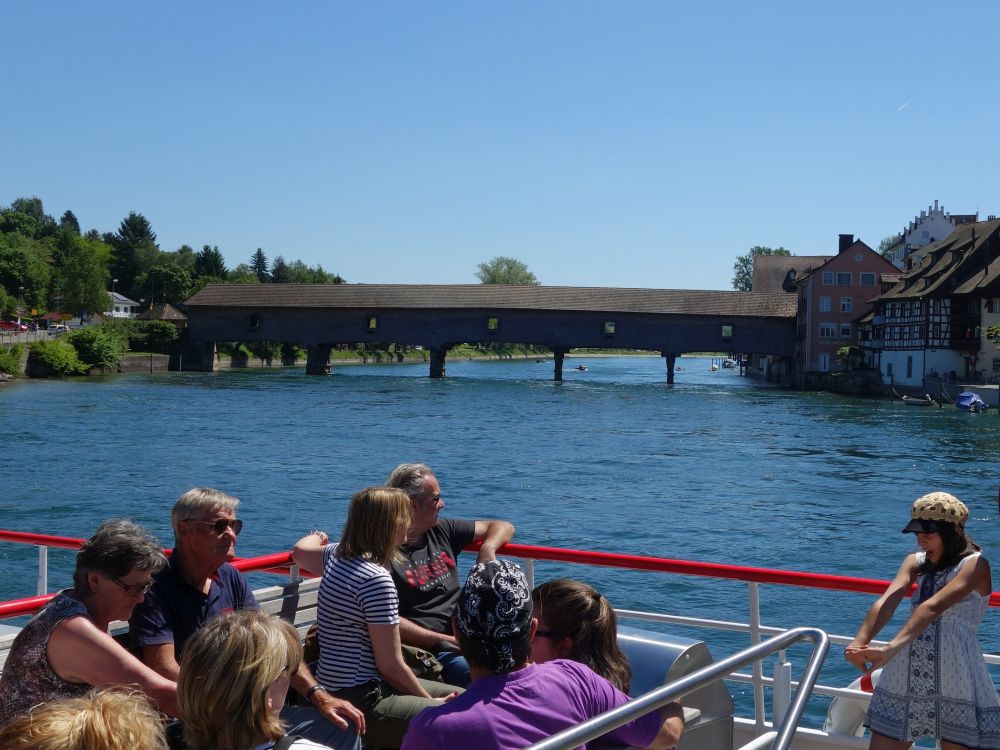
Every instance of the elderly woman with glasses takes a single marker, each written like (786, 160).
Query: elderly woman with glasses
(66, 650)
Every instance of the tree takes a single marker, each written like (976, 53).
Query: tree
(69, 223)
(279, 271)
(258, 263)
(504, 270)
(743, 267)
(82, 279)
(887, 244)
(242, 274)
(209, 262)
(166, 282)
(134, 251)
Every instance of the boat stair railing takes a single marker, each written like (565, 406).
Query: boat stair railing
(776, 740)
(780, 682)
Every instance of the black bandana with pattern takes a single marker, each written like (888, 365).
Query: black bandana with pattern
(495, 609)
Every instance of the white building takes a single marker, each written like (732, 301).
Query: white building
(122, 306)
(932, 225)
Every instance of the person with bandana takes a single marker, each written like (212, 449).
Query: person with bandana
(512, 703)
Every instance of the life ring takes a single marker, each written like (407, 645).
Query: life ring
(847, 715)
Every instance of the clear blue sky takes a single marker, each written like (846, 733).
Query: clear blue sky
(642, 144)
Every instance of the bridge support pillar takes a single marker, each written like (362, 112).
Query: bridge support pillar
(196, 356)
(671, 361)
(438, 355)
(318, 359)
(558, 355)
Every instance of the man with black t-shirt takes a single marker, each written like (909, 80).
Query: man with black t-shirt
(427, 579)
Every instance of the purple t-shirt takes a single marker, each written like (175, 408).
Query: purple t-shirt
(512, 711)
(172, 611)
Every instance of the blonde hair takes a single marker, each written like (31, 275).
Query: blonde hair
(373, 518)
(196, 501)
(100, 720)
(226, 671)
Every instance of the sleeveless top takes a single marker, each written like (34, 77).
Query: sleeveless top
(28, 679)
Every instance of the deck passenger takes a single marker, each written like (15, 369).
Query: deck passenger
(234, 676)
(358, 613)
(934, 682)
(427, 575)
(99, 720)
(66, 649)
(198, 584)
(576, 622)
(512, 703)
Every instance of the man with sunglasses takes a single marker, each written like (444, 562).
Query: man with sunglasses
(198, 584)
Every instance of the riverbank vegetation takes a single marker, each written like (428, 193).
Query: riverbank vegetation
(54, 266)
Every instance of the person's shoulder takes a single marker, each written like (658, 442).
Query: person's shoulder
(228, 572)
(449, 527)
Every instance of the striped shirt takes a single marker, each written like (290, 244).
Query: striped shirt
(353, 594)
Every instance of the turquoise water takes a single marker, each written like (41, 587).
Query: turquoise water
(714, 468)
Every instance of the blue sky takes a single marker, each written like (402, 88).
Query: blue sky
(636, 144)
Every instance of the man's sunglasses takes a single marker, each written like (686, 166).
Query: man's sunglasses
(134, 589)
(220, 525)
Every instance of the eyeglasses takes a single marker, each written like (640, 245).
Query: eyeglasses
(220, 525)
(134, 589)
(549, 634)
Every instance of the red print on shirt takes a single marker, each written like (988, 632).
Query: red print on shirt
(425, 575)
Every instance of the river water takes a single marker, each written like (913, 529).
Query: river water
(715, 468)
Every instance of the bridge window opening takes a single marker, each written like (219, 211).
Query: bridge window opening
(254, 322)
(727, 331)
(609, 328)
(493, 325)
(372, 322)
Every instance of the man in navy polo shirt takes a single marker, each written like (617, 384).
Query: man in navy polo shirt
(197, 584)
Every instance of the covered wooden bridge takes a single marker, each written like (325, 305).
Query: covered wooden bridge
(438, 317)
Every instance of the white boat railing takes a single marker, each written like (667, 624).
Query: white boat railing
(776, 740)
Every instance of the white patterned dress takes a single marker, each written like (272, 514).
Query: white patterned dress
(939, 686)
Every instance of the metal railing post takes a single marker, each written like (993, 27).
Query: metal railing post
(758, 670)
(42, 582)
(293, 574)
(781, 692)
(529, 572)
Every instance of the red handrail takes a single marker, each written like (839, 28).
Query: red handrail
(278, 562)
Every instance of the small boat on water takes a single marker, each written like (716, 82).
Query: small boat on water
(969, 401)
(924, 400)
(581, 367)
(713, 367)
(729, 363)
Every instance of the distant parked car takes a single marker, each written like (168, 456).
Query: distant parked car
(10, 325)
(58, 328)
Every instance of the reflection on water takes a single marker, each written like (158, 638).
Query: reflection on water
(712, 468)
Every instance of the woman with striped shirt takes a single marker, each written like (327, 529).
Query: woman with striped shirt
(358, 616)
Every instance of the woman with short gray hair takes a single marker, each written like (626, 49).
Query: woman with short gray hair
(66, 649)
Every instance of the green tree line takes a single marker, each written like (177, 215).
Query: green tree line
(52, 265)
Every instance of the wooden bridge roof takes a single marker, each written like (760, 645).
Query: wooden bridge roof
(479, 296)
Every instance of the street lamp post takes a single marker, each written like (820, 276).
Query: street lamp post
(114, 282)
(20, 304)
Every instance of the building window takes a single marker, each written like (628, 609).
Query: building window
(918, 307)
(843, 278)
(254, 322)
(888, 369)
(996, 365)
(609, 328)
(827, 278)
(867, 278)
(827, 331)
(846, 304)
(909, 367)
(372, 322)
(937, 330)
(727, 332)
(493, 325)
(824, 304)
(845, 330)
(915, 332)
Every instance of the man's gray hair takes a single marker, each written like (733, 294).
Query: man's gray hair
(118, 547)
(410, 478)
(200, 500)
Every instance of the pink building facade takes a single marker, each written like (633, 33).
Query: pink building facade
(832, 297)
